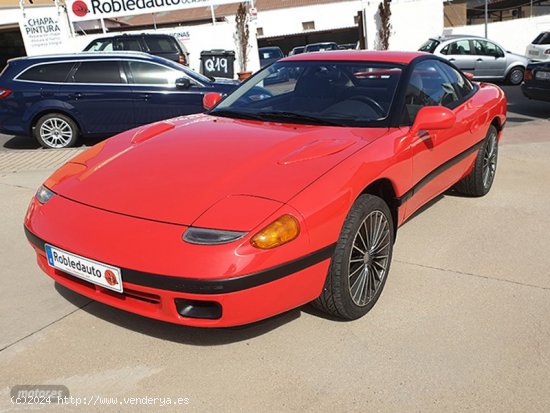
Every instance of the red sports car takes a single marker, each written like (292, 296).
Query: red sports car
(283, 193)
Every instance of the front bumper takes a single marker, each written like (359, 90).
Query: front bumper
(536, 93)
(257, 288)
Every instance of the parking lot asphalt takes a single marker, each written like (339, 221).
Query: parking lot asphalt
(462, 325)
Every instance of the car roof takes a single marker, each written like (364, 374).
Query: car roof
(320, 43)
(91, 55)
(133, 35)
(361, 55)
(456, 36)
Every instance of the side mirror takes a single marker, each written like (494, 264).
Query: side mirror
(210, 100)
(469, 76)
(183, 83)
(433, 118)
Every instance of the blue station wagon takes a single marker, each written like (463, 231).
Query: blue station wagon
(58, 98)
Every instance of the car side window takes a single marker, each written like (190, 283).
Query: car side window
(428, 86)
(129, 44)
(98, 72)
(485, 48)
(161, 44)
(460, 47)
(50, 72)
(462, 85)
(144, 73)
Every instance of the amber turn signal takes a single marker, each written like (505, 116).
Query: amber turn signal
(279, 232)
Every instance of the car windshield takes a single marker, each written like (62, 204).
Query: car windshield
(333, 93)
(429, 46)
(100, 45)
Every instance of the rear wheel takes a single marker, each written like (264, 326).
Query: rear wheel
(361, 261)
(479, 181)
(56, 130)
(515, 77)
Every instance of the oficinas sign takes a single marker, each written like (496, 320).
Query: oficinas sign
(96, 9)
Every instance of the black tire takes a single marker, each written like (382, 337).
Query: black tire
(343, 295)
(479, 181)
(515, 76)
(55, 131)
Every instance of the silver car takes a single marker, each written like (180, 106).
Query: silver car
(485, 59)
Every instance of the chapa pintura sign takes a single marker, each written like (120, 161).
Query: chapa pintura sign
(96, 9)
(44, 30)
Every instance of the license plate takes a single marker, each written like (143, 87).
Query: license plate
(533, 53)
(93, 271)
(542, 75)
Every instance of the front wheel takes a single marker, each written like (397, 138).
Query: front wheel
(56, 131)
(479, 181)
(361, 261)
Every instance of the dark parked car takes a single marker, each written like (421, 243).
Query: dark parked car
(270, 55)
(321, 47)
(537, 81)
(163, 45)
(297, 50)
(57, 98)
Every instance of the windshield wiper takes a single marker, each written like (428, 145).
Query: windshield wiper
(226, 113)
(274, 115)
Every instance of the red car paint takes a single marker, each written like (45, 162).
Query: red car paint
(126, 202)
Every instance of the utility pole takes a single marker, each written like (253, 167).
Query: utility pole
(486, 15)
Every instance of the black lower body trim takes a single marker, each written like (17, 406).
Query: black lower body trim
(437, 171)
(214, 286)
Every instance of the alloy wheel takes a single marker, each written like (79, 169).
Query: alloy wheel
(490, 160)
(56, 132)
(369, 258)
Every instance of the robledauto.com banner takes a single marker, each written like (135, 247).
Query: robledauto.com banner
(95, 9)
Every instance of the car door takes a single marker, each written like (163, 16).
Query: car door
(490, 60)
(434, 152)
(156, 94)
(460, 54)
(98, 92)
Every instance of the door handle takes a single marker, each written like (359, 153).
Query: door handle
(451, 59)
(479, 60)
(76, 95)
(146, 96)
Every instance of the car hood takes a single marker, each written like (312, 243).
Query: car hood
(173, 171)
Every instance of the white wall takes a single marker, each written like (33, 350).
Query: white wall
(413, 22)
(10, 16)
(326, 17)
(513, 35)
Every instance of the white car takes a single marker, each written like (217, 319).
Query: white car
(539, 49)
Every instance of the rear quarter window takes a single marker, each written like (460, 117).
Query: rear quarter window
(543, 38)
(47, 72)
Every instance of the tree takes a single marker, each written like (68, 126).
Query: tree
(242, 34)
(384, 25)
